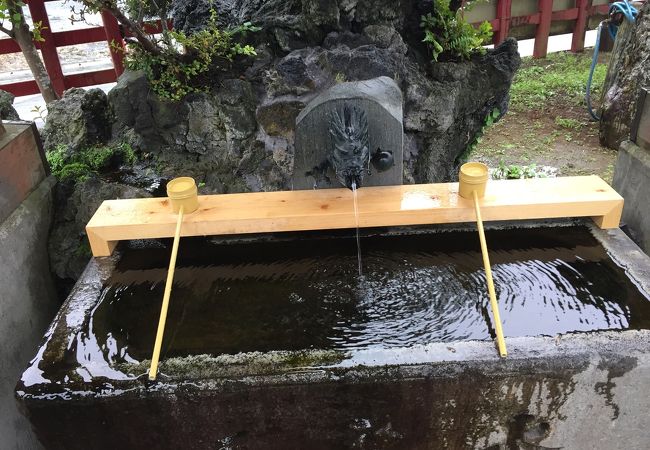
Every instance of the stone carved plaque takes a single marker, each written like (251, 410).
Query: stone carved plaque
(381, 101)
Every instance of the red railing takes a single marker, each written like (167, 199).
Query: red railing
(111, 31)
(543, 19)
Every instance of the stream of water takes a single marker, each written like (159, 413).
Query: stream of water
(356, 221)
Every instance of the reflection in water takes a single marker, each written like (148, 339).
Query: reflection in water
(305, 294)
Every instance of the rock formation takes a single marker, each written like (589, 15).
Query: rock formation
(629, 71)
(7, 111)
(239, 136)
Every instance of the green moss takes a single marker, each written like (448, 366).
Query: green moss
(78, 166)
(312, 358)
(75, 171)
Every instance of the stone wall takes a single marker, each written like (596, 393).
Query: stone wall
(27, 304)
(632, 181)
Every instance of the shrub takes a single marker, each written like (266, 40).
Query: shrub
(174, 74)
(447, 33)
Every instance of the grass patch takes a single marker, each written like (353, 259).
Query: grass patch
(570, 124)
(560, 74)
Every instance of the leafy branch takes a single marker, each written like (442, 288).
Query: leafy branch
(446, 32)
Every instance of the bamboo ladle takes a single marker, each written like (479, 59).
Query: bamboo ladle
(473, 179)
(182, 193)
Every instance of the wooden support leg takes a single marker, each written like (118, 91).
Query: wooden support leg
(100, 246)
(612, 219)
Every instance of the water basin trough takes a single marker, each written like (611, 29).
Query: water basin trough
(276, 341)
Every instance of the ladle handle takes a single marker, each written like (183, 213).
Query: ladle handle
(153, 370)
(501, 343)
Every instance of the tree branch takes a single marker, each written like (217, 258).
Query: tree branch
(137, 31)
(7, 31)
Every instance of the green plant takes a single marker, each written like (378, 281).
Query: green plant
(571, 124)
(39, 112)
(339, 78)
(75, 171)
(514, 172)
(446, 32)
(78, 166)
(174, 74)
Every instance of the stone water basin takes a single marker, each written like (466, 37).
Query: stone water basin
(278, 342)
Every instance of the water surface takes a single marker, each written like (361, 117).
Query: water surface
(307, 293)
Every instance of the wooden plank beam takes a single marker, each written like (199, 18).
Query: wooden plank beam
(265, 212)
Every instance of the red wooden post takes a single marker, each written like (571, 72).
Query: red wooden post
(543, 28)
(48, 47)
(578, 41)
(115, 41)
(504, 9)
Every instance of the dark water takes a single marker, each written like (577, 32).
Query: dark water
(307, 294)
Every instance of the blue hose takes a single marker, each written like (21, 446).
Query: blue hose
(594, 61)
(630, 13)
(624, 7)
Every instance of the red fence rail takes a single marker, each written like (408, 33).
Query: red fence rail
(503, 25)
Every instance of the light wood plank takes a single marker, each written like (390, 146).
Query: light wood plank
(264, 212)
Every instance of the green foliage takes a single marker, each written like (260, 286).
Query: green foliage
(75, 171)
(515, 172)
(12, 12)
(78, 166)
(446, 32)
(175, 74)
(7, 13)
(560, 74)
(571, 124)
